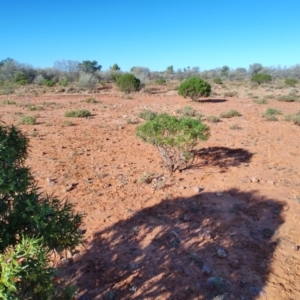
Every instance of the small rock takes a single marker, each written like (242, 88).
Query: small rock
(64, 261)
(206, 270)
(246, 164)
(296, 248)
(221, 253)
(220, 194)
(186, 218)
(271, 182)
(254, 180)
(198, 189)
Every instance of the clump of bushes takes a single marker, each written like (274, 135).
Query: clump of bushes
(32, 226)
(27, 120)
(288, 98)
(261, 78)
(186, 111)
(174, 138)
(83, 113)
(261, 101)
(213, 119)
(128, 83)
(230, 114)
(194, 88)
(290, 81)
(90, 100)
(293, 118)
(217, 80)
(87, 80)
(48, 82)
(160, 81)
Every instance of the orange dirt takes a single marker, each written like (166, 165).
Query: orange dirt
(235, 210)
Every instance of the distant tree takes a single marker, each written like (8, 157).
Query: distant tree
(115, 67)
(170, 70)
(4, 61)
(224, 71)
(128, 83)
(255, 68)
(88, 66)
(194, 87)
(66, 65)
(261, 78)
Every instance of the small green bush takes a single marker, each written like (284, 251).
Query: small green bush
(296, 119)
(217, 80)
(261, 78)
(213, 119)
(287, 98)
(27, 120)
(21, 78)
(35, 107)
(128, 83)
(271, 114)
(147, 115)
(160, 81)
(230, 114)
(90, 100)
(63, 81)
(174, 138)
(290, 81)
(194, 88)
(8, 102)
(83, 113)
(48, 82)
(261, 101)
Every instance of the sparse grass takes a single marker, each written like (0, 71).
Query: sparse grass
(230, 114)
(261, 101)
(90, 100)
(213, 119)
(83, 113)
(27, 120)
(288, 98)
(68, 123)
(288, 118)
(34, 134)
(293, 118)
(147, 115)
(231, 94)
(35, 107)
(146, 178)
(8, 102)
(235, 127)
(186, 111)
(271, 114)
(132, 121)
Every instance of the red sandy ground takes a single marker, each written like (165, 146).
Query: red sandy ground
(151, 241)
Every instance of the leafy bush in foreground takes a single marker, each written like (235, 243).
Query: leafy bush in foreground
(128, 83)
(174, 138)
(31, 226)
(194, 88)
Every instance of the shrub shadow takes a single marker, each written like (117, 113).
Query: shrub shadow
(221, 157)
(165, 251)
(210, 100)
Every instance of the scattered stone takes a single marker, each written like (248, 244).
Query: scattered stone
(246, 164)
(219, 194)
(71, 186)
(206, 270)
(221, 253)
(257, 291)
(198, 189)
(186, 218)
(215, 282)
(254, 180)
(64, 261)
(271, 182)
(296, 248)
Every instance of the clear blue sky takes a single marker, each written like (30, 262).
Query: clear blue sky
(152, 33)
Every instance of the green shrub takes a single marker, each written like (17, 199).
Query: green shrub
(27, 120)
(128, 83)
(261, 78)
(230, 114)
(194, 88)
(296, 119)
(35, 107)
(32, 226)
(8, 102)
(290, 81)
(83, 113)
(217, 80)
(174, 138)
(287, 98)
(21, 78)
(160, 81)
(213, 119)
(63, 81)
(261, 101)
(90, 100)
(147, 115)
(48, 82)
(271, 114)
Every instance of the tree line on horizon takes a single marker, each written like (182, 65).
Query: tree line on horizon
(87, 73)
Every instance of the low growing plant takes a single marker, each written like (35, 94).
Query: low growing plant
(271, 114)
(186, 111)
(261, 78)
(90, 100)
(27, 120)
(217, 80)
(128, 83)
(213, 119)
(290, 81)
(194, 88)
(174, 138)
(147, 115)
(48, 82)
(230, 114)
(83, 113)
(160, 81)
(261, 101)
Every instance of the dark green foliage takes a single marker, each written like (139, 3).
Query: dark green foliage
(261, 78)
(291, 81)
(83, 113)
(31, 226)
(88, 66)
(115, 67)
(128, 83)
(194, 88)
(230, 114)
(21, 78)
(48, 82)
(27, 120)
(174, 138)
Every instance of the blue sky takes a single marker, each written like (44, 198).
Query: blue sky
(152, 33)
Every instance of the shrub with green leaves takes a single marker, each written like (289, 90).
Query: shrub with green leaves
(217, 80)
(174, 138)
(271, 114)
(48, 82)
(261, 78)
(186, 111)
(290, 81)
(194, 88)
(27, 120)
(83, 113)
(128, 83)
(160, 81)
(32, 225)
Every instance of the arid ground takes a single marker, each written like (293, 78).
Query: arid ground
(224, 228)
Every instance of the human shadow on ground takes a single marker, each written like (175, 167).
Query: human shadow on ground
(221, 157)
(184, 248)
